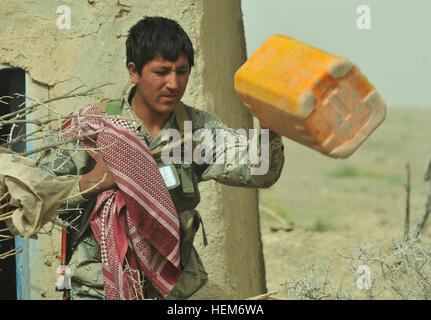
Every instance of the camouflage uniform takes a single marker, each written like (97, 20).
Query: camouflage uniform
(85, 265)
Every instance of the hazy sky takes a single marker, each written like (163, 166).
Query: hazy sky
(395, 53)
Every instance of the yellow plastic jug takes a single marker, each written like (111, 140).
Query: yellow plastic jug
(310, 96)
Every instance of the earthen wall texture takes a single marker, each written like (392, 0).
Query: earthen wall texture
(92, 52)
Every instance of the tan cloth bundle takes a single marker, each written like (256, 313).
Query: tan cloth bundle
(36, 194)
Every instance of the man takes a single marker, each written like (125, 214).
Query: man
(160, 57)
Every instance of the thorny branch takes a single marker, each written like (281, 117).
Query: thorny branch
(68, 95)
(61, 142)
(38, 131)
(427, 179)
(407, 219)
(10, 253)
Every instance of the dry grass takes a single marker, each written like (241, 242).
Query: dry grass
(350, 213)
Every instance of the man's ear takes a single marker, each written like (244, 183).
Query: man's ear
(133, 72)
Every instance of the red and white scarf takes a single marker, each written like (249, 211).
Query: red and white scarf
(135, 225)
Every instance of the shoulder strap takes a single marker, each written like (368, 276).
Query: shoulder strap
(181, 116)
(114, 107)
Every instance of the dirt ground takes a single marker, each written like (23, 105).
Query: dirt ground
(336, 205)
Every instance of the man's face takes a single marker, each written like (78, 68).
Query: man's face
(161, 84)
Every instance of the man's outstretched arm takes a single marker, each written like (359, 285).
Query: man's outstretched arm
(97, 180)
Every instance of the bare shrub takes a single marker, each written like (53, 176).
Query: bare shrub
(41, 116)
(401, 272)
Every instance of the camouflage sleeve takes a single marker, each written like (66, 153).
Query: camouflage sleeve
(64, 162)
(254, 160)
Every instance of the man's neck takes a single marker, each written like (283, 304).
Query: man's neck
(153, 121)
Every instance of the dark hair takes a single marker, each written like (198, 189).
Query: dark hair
(157, 35)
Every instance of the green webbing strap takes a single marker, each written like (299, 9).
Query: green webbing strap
(204, 235)
(197, 219)
(114, 107)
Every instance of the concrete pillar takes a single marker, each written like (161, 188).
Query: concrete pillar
(92, 52)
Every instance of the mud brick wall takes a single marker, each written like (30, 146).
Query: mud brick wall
(92, 52)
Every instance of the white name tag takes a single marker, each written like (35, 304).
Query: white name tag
(169, 175)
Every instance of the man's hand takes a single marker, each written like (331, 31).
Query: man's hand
(90, 179)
